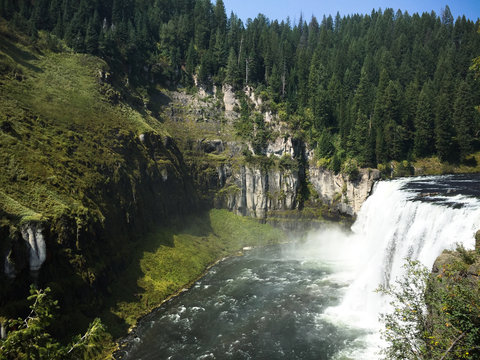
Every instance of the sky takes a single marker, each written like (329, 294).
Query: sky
(281, 9)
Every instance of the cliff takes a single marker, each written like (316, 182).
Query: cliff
(341, 193)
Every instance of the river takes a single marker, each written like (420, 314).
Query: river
(314, 298)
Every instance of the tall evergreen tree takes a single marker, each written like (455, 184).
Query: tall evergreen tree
(220, 16)
(424, 123)
(91, 36)
(463, 118)
(444, 131)
(364, 139)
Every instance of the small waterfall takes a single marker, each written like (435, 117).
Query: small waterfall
(33, 235)
(394, 224)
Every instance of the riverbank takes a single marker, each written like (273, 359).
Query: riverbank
(173, 258)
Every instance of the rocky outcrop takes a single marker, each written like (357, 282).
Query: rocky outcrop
(254, 190)
(229, 99)
(341, 193)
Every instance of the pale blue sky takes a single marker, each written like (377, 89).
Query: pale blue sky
(280, 9)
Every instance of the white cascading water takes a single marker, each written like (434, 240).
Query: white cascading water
(33, 235)
(390, 228)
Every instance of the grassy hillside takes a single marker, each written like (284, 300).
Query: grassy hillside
(58, 129)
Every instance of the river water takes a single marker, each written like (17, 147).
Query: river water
(314, 298)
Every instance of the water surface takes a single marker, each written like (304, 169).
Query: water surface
(264, 305)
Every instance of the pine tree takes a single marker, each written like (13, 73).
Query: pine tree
(58, 29)
(463, 118)
(40, 14)
(444, 131)
(364, 94)
(220, 16)
(91, 37)
(190, 61)
(325, 147)
(219, 49)
(363, 140)
(409, 111)
(54, 11)
(424, 123)
(232, 77)
(117, 12)
(202, 23)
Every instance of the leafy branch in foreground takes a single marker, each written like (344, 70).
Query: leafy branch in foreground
(29, 338)
(433, 317)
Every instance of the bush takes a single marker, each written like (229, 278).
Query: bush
(287, 163)
(350, 168)
(433, 317)
(403, 168)
(29, 338)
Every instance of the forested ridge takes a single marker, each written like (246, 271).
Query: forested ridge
(384, 86)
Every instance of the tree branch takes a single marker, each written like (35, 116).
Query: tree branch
(453, 344)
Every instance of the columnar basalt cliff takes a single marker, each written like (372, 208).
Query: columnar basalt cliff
(254, 190)
(341, 193)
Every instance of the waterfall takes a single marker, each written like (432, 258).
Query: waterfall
(396, 223)
(32, 234)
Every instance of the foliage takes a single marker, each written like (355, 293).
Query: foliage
(403, 168)
(385, 82)
(29, 338)
(407, 328)
(433, 317)
(350, 168)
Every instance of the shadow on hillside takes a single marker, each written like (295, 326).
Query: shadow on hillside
(126, 292)
(158, 101)
(20, 56)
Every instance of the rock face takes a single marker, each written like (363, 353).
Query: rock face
(253, 190)
(87, 245)
(229, 98)
(226, 177)
(337, 191)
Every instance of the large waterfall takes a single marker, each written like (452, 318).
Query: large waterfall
(414, 218)
(315, 299)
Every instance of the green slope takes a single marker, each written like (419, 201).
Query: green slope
(58, 129)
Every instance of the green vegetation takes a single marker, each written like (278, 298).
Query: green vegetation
(173, 257)
(74, 162)
(85, 153)
(29, 338)
(57, 130)
(390, 85)
(434, 166)
(435, 316)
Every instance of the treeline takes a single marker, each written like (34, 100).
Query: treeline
(378, 87)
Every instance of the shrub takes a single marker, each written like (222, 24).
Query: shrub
(350, 168)
(433, 317)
